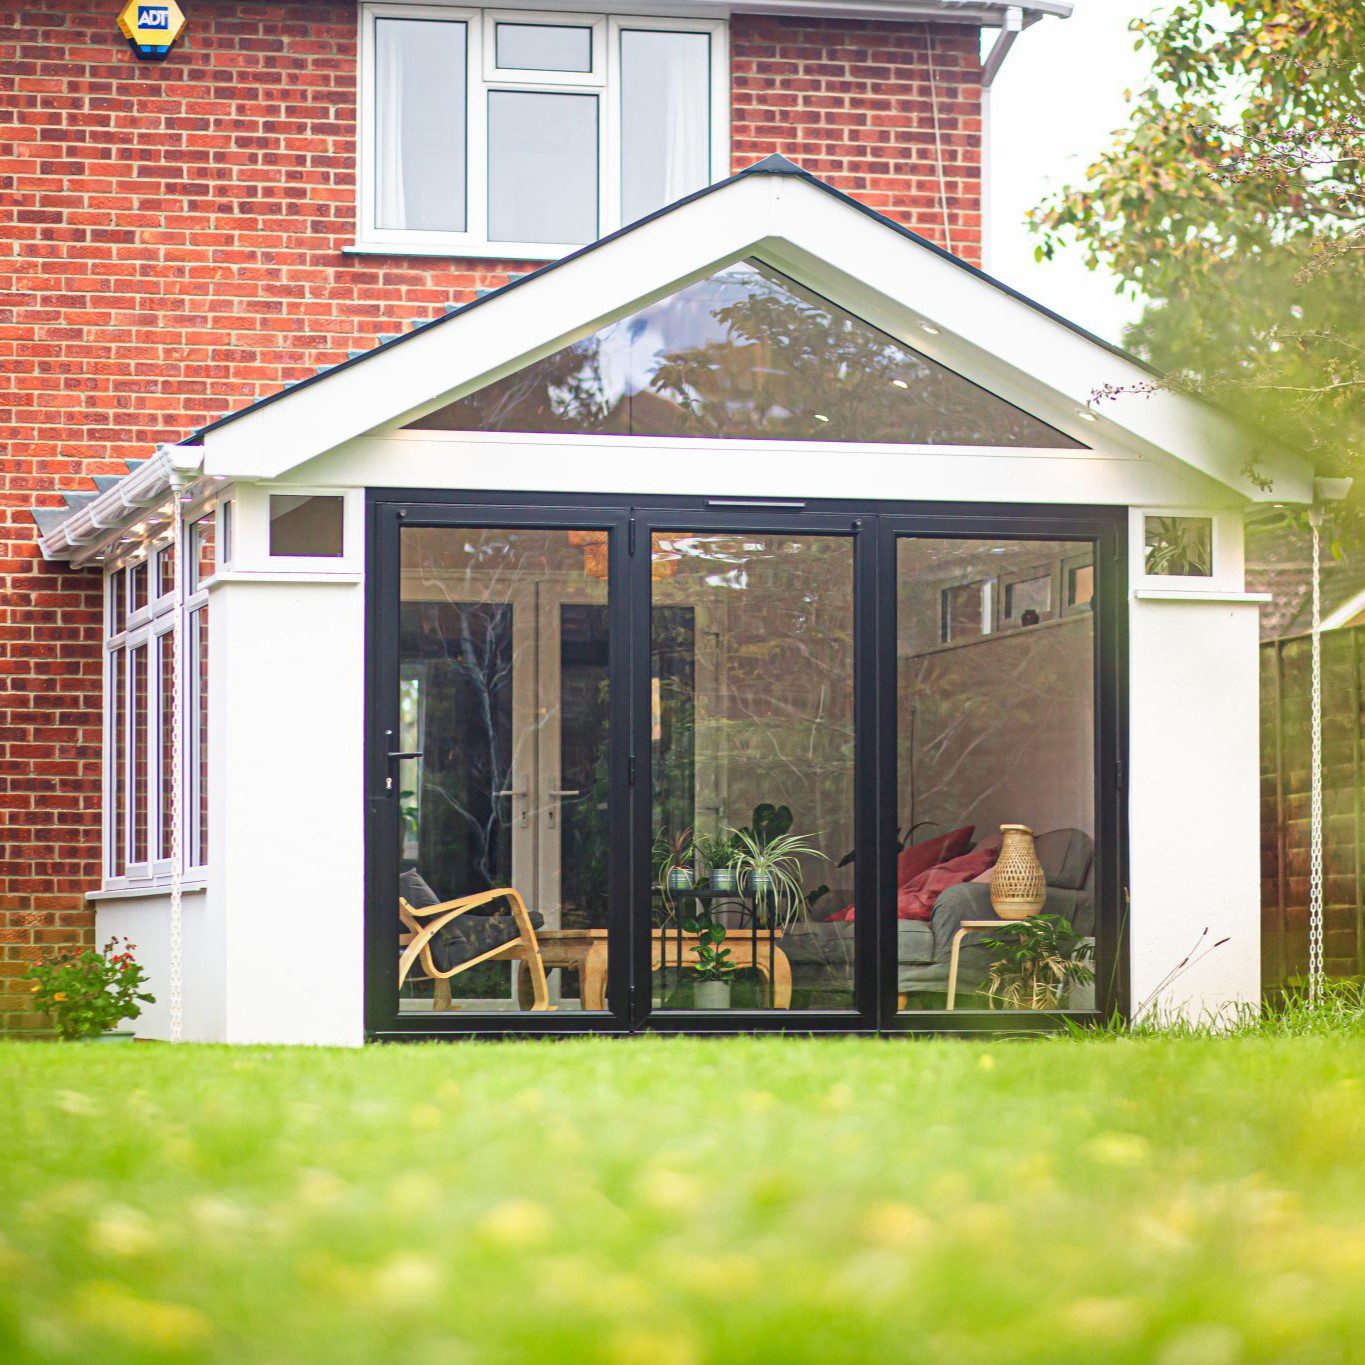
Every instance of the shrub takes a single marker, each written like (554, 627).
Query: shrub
(87, 992)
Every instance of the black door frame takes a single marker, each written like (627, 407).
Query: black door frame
(873, 528)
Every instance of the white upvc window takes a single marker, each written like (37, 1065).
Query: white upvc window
(140, 701)
(526, 134)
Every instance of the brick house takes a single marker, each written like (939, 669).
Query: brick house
(195, 238)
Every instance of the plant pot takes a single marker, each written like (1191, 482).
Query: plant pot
(1079, 995)
(1018, 888)
(724, 882)
(114, 1035)
(711, 995)
(759, 883)
(680, 879)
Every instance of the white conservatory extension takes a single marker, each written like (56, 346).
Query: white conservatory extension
(663, 640)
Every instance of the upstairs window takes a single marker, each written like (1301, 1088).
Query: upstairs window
(527, 134)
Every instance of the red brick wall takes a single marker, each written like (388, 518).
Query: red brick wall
(170, 249)
(854, 103)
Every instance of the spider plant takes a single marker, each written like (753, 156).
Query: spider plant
(771, 870)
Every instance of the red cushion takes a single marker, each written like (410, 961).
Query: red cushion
(917, 859)
(916, 898)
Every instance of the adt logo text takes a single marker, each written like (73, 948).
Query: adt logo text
(153, 16)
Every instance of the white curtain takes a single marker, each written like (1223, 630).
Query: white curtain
(686, 90)
(391, 208)
(665, 118)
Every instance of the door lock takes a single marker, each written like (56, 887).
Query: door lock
(558, 795)
(518, 794)
(397, 756)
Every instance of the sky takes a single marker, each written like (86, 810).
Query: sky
(1054, 105)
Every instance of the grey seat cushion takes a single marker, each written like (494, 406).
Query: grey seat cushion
(1067, 856)
(914, 941)
(479, 931)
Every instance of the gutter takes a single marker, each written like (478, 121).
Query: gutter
(1010, 29)
(92, 525)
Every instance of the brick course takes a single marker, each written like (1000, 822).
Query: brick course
(172, 249)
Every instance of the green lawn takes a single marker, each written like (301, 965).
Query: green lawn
(661, 1201)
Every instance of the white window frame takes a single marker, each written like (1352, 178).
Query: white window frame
(1225, 552)
(482, 76)
(150, 627)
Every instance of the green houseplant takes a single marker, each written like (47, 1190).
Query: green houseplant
(717, 854)
(769, 869)
(675, 858)
(712, 969)
(88, 992)
(1036, 960)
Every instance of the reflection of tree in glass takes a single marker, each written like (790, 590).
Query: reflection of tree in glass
(746, 353)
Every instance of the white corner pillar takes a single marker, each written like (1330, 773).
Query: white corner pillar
(286, 836)
(1194, 803)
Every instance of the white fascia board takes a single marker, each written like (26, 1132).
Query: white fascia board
(988, 13)
(984, 331)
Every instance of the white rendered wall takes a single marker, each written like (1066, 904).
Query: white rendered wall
(146, 921)
(1194, 810)
(286, 836)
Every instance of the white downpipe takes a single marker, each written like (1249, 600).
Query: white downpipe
(1315, 965)
(178, 482)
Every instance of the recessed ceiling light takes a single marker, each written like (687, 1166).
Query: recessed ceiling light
(900, 383)
(1086, 415)
(928, 327)
(820, 417)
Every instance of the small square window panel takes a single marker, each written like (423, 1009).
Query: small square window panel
(543, 47)
(1026, 595)
(306, 527)
(1080, 587)
(1178, 547)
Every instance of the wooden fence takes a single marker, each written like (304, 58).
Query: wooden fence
(1286, 675)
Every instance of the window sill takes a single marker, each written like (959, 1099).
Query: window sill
(150, 889)
(536, 253)
(1197, 595)
(283, 575)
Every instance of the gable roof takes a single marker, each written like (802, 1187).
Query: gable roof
(775, 164)
(972, 322)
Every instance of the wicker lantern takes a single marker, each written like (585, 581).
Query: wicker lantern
(1017, 885)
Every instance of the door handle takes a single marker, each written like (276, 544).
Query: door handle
(396, 756)
(556, 795)
(518, 793)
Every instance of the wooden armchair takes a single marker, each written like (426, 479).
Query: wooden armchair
(415, 942)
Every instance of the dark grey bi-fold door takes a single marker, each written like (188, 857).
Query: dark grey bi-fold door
(677, 765)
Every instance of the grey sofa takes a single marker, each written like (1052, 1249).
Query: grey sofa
(821, 954)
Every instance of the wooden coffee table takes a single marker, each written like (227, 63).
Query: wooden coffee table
(585, 951)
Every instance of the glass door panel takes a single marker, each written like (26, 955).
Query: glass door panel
(752, 770)
(503, 667)
(995, 726)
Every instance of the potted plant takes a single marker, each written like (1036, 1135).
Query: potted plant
(1036, 960)
(769, 869)
(717, 853)
(676, 857)
(88, 992)
(712, 968)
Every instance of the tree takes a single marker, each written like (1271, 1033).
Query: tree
(1234, 201)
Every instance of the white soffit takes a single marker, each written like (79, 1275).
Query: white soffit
(827, 242)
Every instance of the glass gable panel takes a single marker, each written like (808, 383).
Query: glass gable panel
(746, 354)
